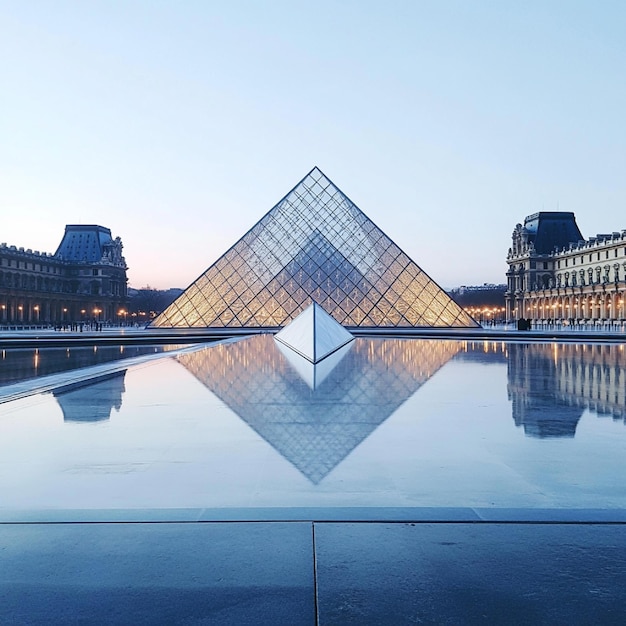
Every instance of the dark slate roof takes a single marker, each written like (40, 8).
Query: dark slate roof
(83, 243)
(552, 229)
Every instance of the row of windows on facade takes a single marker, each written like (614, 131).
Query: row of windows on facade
(581, 278)
(591, 259)
(26, 265)
(50, 269)
(32, 283)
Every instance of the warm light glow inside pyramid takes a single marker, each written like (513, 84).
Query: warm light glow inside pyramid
(314, 245)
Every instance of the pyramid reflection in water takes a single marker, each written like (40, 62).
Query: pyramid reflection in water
(313, 374)
(315, 427)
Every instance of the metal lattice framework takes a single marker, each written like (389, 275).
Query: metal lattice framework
(314, 245)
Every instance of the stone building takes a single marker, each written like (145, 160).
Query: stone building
(556, 276)
(84, 280)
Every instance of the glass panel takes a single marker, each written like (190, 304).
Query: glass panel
(412, 317)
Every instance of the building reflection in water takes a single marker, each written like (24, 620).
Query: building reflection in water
(92, 400)
(314, 419)
(550, 385)
(19, 364)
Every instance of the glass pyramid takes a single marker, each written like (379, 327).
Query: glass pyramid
(314, 334)
(314, 245)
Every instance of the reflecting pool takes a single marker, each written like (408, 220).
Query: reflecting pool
(381, 423)
(23, 363)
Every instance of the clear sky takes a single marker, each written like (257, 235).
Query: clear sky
(179, 124)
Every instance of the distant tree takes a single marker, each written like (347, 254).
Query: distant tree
(146, 303)
(484, 302)
(484, 295)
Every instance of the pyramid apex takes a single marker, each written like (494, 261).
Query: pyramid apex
(315, 170)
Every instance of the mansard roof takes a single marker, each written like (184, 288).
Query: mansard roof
(84, 243)
(548, 230)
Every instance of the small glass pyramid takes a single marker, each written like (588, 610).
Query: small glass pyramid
(314, 245)
(314, 334)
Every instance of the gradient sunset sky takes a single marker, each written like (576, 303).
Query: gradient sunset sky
(179, 124)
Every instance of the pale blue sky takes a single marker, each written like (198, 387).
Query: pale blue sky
(179, 124)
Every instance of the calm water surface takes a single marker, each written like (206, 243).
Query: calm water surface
(384, 422)
(23, 364)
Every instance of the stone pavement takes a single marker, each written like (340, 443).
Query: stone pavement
(311, 572)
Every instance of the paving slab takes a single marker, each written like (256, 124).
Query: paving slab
(568, 515)
(482, 573)
(340, 514)
(216, 573)
(67, 516)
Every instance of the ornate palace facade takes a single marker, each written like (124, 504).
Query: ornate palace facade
(84, 280)
(556, 276)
